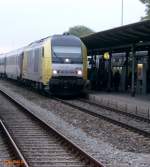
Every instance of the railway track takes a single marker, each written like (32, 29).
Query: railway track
(127, 120)
(10, 155)
(42, 145)
(132, 115)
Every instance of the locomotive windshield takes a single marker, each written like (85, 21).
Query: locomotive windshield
(66, 48)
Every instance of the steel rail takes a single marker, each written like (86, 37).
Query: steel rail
(116, 110)
(18, 152)
(117, 122)
(86, 155)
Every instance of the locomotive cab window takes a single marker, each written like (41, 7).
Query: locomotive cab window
(67, 50)
(70, 53)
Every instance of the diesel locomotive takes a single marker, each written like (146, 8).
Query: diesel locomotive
(57, 64)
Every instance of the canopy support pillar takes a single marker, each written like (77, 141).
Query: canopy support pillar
(133, 71)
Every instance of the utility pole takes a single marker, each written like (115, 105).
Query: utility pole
(122, 12)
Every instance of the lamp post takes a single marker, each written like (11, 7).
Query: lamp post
(122, 11)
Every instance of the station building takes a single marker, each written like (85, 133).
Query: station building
(122, 52)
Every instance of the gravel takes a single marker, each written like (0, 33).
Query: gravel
(114, 146)
(140, 124)
(40, 146)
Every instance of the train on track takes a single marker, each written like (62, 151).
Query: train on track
(57, 64)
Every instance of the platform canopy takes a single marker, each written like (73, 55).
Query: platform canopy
(120, 37)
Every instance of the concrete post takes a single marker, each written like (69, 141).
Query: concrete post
(148, 72)
(133, 71)
(92, 61)
(144, 86)
(109, 73)
(126, 80)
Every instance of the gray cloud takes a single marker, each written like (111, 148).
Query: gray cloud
(27, 20)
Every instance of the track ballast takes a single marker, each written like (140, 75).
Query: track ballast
(42, 145)
(129, 121)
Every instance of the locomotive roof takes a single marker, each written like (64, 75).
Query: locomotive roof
(38, 42)
(58, 40)
(66, 40)
(71, 39)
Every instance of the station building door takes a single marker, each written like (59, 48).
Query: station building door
(142, 73)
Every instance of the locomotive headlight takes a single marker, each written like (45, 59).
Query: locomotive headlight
(79, 72)
(55, 72)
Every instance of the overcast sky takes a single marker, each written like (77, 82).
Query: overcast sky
(23, 21)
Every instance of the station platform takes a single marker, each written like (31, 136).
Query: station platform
(139, 105)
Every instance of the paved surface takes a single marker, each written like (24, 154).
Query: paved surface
(139, 104)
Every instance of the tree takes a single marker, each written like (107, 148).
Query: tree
(80, 31)
(147, 10)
